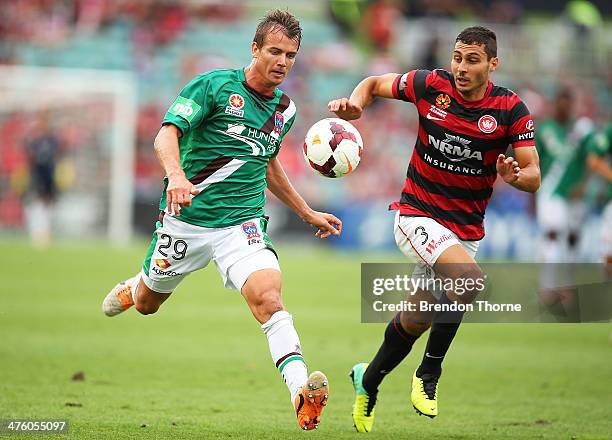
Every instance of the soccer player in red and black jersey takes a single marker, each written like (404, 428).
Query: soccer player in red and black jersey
(465, 126)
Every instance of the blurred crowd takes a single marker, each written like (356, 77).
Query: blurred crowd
(155, 22)
(354, 39)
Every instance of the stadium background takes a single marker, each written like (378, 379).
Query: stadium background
(49, 301)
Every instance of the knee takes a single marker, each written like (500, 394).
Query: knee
(415, 323)
(552, 235)
(469, 285)
(416, 328)
(146, 307)
(266, 303)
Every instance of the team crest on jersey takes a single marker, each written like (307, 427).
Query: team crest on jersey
(279, 123)
(250, 230)
(443, 101)
(236, 102)
(529, 125)
(487, 124)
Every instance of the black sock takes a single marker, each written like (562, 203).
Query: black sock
(395, 347)
(443, 329)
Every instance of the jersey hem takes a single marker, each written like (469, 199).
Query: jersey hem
(217, 225)
(411, 211)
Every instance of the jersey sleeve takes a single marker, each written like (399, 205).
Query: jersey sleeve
(521, 129)
(410, 86)
(193, 104)
(599, 144)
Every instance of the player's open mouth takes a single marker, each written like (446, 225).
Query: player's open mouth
(278, 73)
(462, 81)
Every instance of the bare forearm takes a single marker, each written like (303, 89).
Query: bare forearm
(167, 150)
(363, 95)
(280, 186)
(529, 179)
(600, 166)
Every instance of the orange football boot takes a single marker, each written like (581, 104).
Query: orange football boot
(118, 300)
(311, 400)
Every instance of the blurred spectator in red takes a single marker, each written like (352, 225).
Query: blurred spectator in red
(379, 21)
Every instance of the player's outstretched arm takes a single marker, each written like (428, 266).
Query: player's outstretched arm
(522, 172)
(365, 92)
(180, 190)
(279, 185)
(600, 166)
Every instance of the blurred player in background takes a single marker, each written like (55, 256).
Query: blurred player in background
(465, 126)
(599, 148)
(561, 142)
(43, 150)
(560, 209)
(218, 146)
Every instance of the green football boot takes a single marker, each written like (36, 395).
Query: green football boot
(363, 408)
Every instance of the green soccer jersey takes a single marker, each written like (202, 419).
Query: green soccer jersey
(601, 145)
(229, 133)
(562, 156)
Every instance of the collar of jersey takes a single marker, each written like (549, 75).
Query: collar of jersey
(252, 91)
(471, 103)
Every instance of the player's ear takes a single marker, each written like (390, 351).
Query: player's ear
(493, 62)
(254, 49)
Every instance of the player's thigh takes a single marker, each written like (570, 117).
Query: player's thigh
(177, 249)
(457, 263)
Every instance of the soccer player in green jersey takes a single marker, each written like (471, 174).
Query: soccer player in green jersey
(599, 156)
(218, 145)
(561, 143)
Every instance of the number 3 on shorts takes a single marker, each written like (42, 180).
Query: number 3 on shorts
(421, 230)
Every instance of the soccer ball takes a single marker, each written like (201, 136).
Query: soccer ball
(333, 147)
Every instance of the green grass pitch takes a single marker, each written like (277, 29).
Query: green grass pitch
(200, 368)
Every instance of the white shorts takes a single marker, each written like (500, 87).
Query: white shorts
(422, 239)
(560, 215)
(606, 230)
(179, 248)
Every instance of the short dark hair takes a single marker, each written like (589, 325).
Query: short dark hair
(278, 19)
(479, 35)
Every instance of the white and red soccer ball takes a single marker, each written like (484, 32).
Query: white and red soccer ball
(333, 147)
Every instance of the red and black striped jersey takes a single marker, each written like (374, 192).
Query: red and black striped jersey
(452, 169)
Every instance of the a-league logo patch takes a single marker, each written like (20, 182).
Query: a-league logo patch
(279, 123)
(236, 102)
(443, 101)
(487, 124)
(250, 230)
